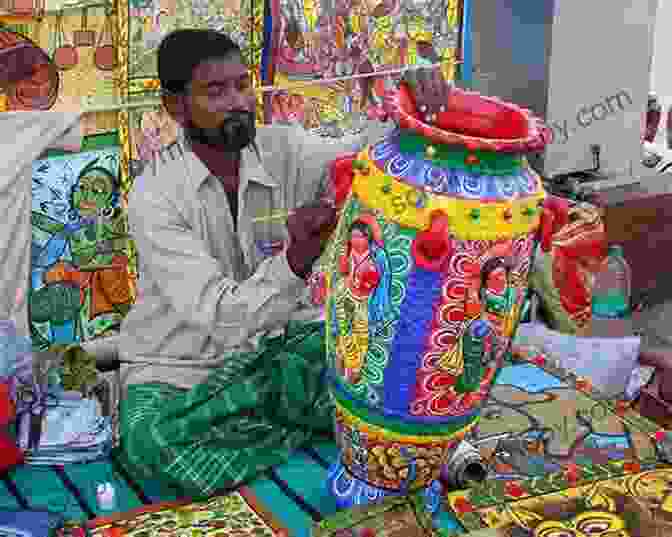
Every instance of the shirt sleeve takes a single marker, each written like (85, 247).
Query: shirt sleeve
(317, 152)
(192, 280)
(71, 140)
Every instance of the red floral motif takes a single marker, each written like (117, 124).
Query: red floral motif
(462, 505)
(432, 248)
(583, 385)
(513, 489)
(546, 229)
(560, 209)
(632, 467)
(572, 473)
(621, 408)
(539, 360)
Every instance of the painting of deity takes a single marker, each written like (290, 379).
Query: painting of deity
(80, 284)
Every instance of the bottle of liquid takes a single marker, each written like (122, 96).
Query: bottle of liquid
(611, 292)
(653, 117)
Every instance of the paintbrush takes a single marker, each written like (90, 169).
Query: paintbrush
(327, 199)
(281, 215)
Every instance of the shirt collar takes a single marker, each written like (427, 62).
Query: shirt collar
(251, 168)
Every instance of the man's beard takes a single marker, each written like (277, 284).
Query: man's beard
(233, 135)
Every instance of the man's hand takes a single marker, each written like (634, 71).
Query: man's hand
(431, 91)
(307, 227)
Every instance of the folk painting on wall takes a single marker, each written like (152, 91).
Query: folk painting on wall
(146, 22)
(78, 44)
(80, 283)
(336, 39)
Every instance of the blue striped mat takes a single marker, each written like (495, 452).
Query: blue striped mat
(294, 492)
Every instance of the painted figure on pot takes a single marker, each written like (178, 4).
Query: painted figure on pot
(363, 296)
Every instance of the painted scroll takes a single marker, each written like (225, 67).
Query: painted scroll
(80, 284)
(341, 38)
(148, 21)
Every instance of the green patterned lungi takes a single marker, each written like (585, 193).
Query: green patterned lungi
(247, 417)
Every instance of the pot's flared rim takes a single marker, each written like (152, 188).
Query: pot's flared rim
(539, 134)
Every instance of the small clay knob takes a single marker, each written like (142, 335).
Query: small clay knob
(434, 245)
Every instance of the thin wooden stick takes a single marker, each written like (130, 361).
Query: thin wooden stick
(281, 215)
(273, 89)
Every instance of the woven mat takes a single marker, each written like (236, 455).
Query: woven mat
(523, 435)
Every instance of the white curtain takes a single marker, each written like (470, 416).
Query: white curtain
(24, 136)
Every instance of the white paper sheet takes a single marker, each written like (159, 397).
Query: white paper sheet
(607, 362)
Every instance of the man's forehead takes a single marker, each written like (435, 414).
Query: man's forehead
(216, 70)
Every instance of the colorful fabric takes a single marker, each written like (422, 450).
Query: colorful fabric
(10, 454)
(562, 277)
(28, 523)
(57, 428)
(248, 416)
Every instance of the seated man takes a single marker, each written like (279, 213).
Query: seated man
(218, 387)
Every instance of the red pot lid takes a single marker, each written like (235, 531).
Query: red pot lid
(400, 106)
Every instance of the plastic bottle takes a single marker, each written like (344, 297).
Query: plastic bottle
(654, 113)
(611, 292)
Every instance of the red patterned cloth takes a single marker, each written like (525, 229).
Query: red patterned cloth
(10, 455)
(562, 276)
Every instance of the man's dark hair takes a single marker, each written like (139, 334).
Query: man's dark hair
(182, 51)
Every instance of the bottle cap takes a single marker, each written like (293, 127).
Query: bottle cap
(105, 496)
(615, 249)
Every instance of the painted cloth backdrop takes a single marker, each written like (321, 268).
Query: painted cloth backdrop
(83, 269)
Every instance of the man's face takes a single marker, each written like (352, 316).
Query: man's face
(219, 87)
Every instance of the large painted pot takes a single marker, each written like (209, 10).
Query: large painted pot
(425, 279)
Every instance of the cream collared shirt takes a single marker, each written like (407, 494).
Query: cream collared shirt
(205, 290)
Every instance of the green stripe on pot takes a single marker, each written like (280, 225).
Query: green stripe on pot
(399, 427)
(488, 162)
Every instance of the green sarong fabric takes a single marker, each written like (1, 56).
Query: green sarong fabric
(247, 417)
